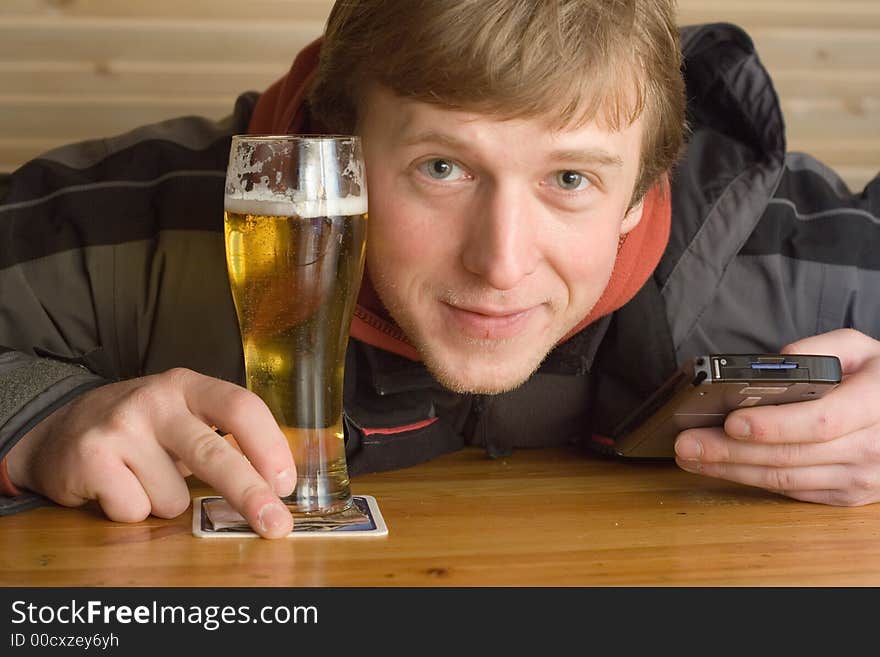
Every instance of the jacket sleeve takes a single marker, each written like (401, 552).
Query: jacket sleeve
(824, 243)
(30, 389)
(811, 265)
(110, 259)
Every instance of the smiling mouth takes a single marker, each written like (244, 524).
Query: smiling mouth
(489, 323)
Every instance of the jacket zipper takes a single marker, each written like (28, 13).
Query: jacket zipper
(480, 408)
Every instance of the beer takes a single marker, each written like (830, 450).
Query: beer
(295, 269)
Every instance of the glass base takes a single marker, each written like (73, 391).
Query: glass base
(300, 510)
(321, 494)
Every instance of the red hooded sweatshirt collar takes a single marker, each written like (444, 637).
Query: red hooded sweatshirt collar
(282, 109)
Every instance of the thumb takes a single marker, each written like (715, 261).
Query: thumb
(852, 347)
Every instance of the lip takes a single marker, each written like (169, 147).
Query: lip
(489, 323)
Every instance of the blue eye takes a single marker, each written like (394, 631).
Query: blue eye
(440, 169)
(571, 181)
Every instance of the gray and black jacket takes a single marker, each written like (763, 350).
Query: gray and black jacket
(112, 266)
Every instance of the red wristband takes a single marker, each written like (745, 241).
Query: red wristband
(7, 488)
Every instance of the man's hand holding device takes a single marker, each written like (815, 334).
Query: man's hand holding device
(821, 444)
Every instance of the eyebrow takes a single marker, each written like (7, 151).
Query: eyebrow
(594, 156)
(591, 156)
(433, 137)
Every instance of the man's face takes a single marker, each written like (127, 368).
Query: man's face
(490, 240)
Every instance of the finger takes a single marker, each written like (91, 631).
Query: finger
(186, 472)
(159, 477)
(243, 414)
(839, 412)
(712, 445)
(97, 472)
(121, 495)
(853, 348)
(217, 463)
(784, 480)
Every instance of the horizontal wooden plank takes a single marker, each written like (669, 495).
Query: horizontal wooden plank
(832, 119)
(782, 13)
(115, 78)
(808, 13)
(53, 39)
(68, 120)
(809, 83)
(105, 41)
(820, 50)
(863, 152)
(183, 9)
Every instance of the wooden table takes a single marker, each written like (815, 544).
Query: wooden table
(538, 517)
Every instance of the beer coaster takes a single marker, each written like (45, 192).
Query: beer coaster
(214, 518)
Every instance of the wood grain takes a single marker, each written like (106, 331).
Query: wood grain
(222, 9)
(537, 518)
(808, 13)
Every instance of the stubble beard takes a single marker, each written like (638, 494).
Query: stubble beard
(498, 383)
(499, 379)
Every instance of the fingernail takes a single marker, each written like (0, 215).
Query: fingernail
(689, 449)
(284, 482)
(272, 518)
(738, 428)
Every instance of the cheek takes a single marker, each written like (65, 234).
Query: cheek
(391, 235)
(585, 264)
(403, 239)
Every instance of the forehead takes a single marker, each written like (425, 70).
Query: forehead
(402, 122)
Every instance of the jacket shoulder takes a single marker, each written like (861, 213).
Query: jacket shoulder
(187, 143)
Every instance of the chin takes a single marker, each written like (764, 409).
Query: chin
(485, 373)
(468, 365)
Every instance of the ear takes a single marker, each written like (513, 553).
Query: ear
(632, 217)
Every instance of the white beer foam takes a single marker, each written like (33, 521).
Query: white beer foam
(336, 207)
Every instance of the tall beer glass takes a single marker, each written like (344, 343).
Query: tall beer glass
(295, 225)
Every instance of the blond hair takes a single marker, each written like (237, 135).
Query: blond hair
(570, 60)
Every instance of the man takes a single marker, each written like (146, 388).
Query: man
(536, 264)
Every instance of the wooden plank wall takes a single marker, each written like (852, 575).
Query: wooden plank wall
(76, 69)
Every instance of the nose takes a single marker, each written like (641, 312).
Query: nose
(501, 246)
